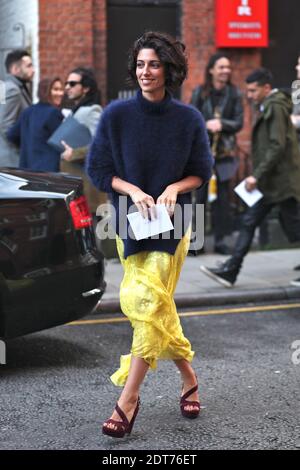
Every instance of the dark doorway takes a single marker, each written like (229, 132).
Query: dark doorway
(127, 20)
(281, 57)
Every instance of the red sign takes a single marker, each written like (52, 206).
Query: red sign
(242, 23)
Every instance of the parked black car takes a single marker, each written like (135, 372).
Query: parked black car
(50, 270)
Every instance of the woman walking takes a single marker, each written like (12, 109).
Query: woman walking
(153, 150)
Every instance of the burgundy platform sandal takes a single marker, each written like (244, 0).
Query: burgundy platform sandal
(191, 414)
(120, 427)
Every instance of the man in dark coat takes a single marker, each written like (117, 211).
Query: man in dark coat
(276, 171)
(296, 103)
(296, 121)
(17, 98)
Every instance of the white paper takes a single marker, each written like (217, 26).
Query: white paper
(66, 112)
(250, 198)
(144, 228)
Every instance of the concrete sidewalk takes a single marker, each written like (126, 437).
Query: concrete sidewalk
(265, 277)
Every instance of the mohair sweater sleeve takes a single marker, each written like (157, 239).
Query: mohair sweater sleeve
(201, 161)
(99, 163)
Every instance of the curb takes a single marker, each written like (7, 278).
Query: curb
(229, 297)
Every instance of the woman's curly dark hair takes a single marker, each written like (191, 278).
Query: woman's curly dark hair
(170, 52)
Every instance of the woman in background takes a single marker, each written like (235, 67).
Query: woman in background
(36, 125)
(220, 102)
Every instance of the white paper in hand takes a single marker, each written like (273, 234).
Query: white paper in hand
(250, 198)
(144, 228)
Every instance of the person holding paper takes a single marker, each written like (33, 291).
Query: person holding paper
(276, 172)
(296, 101)
(296, 122)
(82, 90)
(153, 150)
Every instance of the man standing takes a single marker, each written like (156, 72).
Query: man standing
(296, 121)
(82, 89)
(18, 97)
(296, 109)
(276, 171)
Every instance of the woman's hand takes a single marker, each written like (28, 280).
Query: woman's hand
(144, 202)
(169, 198)
(295, 119)
(251, 183)
(214, 125)
(68, 153)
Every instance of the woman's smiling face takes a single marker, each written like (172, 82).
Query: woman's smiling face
(150, 74)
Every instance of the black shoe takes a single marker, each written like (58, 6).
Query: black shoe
(295, 282)
(222, 249)
(225, 274)
(297, 268)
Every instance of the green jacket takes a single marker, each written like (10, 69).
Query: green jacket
(275, 151)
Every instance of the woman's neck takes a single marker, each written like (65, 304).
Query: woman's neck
(157, 106)
(155, 96)
(219, 85)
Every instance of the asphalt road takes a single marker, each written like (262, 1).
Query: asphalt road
(55, 388)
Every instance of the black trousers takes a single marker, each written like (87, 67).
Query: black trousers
(221, 217)
(289, 216)
(221, 212)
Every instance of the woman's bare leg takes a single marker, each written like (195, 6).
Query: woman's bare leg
(189, 379)
(128, 399)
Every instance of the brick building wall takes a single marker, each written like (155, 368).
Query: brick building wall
(66, 35)
(198, 33)
(99, 39)
(63, 34)
(72, 33)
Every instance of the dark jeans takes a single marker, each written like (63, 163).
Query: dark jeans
(289, 218)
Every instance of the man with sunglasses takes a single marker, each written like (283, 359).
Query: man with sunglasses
(81, 89)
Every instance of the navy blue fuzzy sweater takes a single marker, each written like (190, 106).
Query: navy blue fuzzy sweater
(31, 132)
(151, 145)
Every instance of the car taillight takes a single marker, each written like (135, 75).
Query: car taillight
(80, 212)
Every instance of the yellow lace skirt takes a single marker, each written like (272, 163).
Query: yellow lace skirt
(146, 297)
